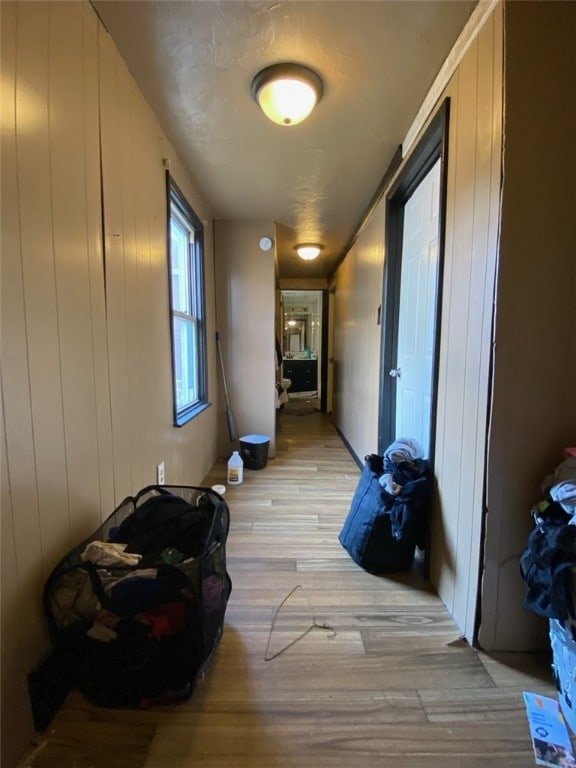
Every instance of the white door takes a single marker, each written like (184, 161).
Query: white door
(417, 313)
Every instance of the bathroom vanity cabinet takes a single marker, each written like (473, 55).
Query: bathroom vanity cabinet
(302, 373)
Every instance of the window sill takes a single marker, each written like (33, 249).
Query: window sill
(190, 413)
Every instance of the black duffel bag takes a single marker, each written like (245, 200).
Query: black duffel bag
(382, 529)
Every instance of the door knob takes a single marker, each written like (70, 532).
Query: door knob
(395, 373)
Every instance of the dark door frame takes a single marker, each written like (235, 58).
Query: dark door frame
(432, 145)
(323, 372)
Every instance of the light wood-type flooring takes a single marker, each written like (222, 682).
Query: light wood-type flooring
(391, 685)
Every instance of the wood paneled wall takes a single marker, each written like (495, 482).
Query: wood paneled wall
(134, 156)
(472, 226)
(54, 362)
(86, 382)
(358, 294)
(472, 219)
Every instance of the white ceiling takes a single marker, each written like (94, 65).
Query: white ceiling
(194, 60)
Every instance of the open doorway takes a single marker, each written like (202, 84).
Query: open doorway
(303, 343)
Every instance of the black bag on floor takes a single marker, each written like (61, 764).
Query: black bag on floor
(137, 610)
(382, 529)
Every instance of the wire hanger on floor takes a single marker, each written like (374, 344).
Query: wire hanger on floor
(313, 625)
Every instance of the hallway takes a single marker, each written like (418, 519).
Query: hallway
(392, 685)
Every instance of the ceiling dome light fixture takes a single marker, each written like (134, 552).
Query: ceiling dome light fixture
(308, 251)
(287, 92)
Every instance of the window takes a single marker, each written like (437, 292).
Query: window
(186, 257)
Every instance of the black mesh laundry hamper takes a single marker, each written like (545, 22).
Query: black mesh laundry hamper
(137, 633)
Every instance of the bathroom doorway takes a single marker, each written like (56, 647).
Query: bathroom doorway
(303, 343)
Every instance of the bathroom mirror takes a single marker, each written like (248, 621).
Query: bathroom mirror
(294, 335)
(301, 323)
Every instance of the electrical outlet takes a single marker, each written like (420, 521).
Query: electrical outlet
(160, 473)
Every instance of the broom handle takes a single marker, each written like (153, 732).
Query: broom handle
(222, 368)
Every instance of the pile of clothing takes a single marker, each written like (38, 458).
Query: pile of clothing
(560, 485)
(547, 563)
(548, 566)
(405, 483)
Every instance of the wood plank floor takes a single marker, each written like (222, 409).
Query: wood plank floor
(392, 685)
